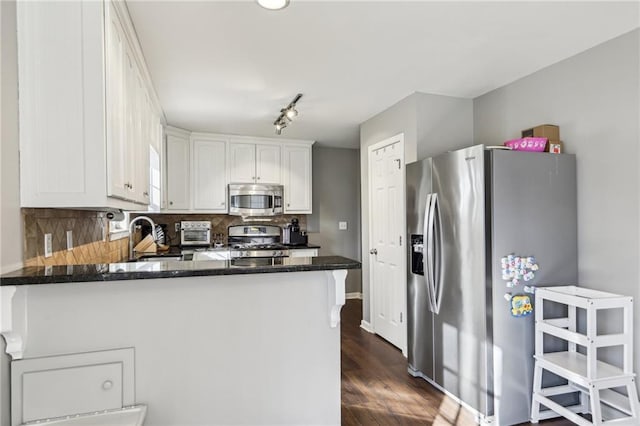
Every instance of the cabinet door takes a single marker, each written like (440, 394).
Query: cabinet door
(117, 185)
(140, 144)
(297, 178)
(177, 173)
(209, 183)
(130, 116)
(268, 159)
(242, 162)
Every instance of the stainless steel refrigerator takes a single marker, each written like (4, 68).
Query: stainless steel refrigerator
(466, 210)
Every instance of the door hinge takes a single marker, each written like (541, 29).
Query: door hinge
(399, 163)
(401, 317)
(400, 239)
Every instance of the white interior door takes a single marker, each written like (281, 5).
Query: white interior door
(386, 233)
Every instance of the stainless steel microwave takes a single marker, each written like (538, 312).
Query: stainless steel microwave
(247, 199)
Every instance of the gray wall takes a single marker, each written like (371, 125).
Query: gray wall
(10, 223)
(594, 97)
(336, 197)
(431, 124)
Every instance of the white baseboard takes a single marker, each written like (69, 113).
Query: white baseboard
(356, 295)
(366, 326)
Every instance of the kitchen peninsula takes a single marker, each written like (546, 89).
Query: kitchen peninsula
(216, 342)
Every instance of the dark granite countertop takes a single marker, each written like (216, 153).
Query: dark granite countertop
(172, 269)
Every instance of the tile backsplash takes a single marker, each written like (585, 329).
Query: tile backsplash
(89, 229)
(219, 222)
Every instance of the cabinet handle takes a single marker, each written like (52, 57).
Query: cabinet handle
(222, 203)
(258, 178)
(108, 384)
(145, 193)
(288, 205)
(170, 203)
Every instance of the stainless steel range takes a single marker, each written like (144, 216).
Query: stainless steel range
(251, 241)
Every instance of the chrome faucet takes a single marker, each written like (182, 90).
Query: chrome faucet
(154, 235)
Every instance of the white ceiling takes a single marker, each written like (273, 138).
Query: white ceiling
(228, 67)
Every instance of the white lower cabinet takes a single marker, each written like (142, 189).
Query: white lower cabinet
(208, 160)
(212, 255)
(306, 252)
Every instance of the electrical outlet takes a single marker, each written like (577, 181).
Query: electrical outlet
(177, 226)
(342, 226)
(48, 245)
(69, 240)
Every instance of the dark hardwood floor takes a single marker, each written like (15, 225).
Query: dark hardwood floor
(377, 390)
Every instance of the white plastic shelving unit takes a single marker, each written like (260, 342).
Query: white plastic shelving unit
(595, 380)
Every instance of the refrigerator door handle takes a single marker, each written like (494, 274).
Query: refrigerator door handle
(438, 262)
(428, 256)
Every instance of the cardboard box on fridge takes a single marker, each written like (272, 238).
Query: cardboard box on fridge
(549, 131)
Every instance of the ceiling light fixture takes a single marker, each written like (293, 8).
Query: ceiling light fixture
(273, 4)
(287, 113)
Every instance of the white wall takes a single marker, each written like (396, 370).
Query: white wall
(10, 221)
(594, 97)
(336, 197)
(431, 125)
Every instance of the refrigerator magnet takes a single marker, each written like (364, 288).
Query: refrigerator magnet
(521, 305)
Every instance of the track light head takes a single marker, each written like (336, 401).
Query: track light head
(291, 113)
(279, 126)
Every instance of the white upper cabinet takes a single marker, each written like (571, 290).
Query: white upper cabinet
(268, 168)
(296, 172)
(242, 162)
(254, 162)
(177, 170)
(208, 159)
(82, 138)
(217, 160)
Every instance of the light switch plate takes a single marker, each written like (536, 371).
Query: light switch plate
(342, 226)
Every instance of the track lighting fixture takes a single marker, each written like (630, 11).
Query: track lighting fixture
(287, 114)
